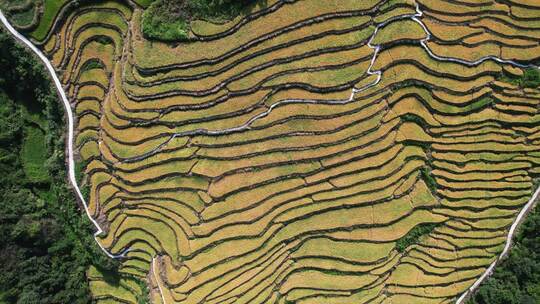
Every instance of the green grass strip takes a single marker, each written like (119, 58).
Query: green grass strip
(413, 236)
(34, 154)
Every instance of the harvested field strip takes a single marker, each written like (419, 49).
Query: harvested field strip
(256, 31)
(500, 27)
(319, 34)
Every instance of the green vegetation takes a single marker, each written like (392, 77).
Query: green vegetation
(517, 279)
(162, 22)
(105, 40)
(47, 243)
(24, 18)
(79, 170)
(409, 117)
(144, 3)
(413, 236)
(168, 20)
(144, 297)
(33, 153)
(428, 178)
(529, 79)
(21, 13)
(92, 64)
(51, 8)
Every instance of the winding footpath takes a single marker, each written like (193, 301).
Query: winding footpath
(69, 114)
(415, 17)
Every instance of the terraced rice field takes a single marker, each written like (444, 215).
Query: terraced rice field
(293, 154)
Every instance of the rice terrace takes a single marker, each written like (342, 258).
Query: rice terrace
(294, 151)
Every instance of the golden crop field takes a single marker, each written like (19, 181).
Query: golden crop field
(310, 151)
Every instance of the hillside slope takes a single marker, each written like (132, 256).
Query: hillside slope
(307, 151)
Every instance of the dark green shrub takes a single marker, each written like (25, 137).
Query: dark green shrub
(92, 64)
(168, 20)
(531, 78)
(413, 236)
(428, 178)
